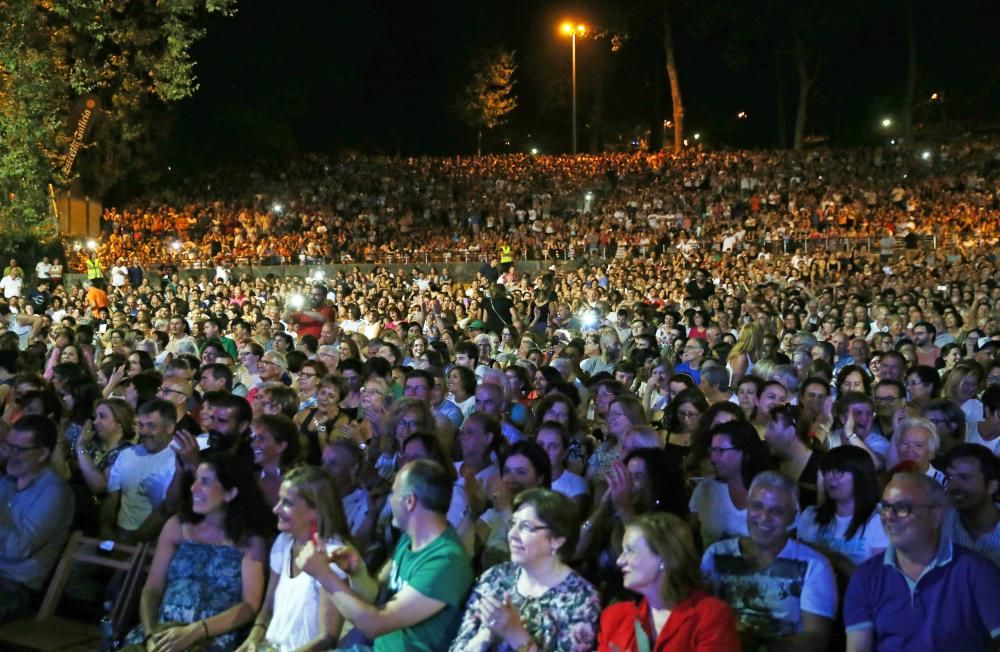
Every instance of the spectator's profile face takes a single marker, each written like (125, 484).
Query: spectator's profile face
(226, 422)
(295, 516)
(770, 512)
(641, 567)
(551, 442)
(907, 514)
(339, 465)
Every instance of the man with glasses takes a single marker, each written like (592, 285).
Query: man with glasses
(36, 510)
(692, 356)
(178, 392)
(924, 592)
(890, 405)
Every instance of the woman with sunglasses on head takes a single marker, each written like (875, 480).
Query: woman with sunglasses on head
(535, 601)
(846, 526)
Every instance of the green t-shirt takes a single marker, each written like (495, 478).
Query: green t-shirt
(442, 571)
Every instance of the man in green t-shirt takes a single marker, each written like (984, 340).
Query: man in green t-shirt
(428, 579)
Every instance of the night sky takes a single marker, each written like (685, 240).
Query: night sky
(281, 78)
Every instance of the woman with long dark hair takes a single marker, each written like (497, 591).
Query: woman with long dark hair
(846, 525)
(207, 579)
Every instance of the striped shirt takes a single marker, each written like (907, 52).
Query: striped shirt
(987, 545)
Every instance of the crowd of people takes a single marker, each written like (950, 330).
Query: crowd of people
(704, 448)
(384, 209)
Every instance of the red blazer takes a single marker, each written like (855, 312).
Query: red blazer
(701, 623)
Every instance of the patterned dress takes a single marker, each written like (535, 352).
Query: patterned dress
(202, 580)
(563, 619)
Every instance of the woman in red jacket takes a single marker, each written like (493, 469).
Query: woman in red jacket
(659, 563)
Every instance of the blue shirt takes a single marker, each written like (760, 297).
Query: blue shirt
(953, 605)
(34, 526)
(685, 368)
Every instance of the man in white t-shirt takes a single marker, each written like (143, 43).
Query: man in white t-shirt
(42, 269)
(783, 592)
(137, 503)
(12, 283)
(119, 274)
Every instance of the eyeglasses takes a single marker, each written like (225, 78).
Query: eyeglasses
(409, 423)
(524, 527)
(688, 416)
(167, 390)
(720, 450)
(306, 374)
(366, 390)
(836, 474)
(886, 399)
(900, 510)
(14, 449)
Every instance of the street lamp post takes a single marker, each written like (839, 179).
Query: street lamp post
(571, 30)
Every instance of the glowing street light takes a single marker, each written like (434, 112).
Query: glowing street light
(742, 115)
(697, 136)
(534, 151)
(935, 97)
(887, 122)
(571, 30)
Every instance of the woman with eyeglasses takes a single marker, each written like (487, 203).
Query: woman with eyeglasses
(307, 383)
(682, 418)
(675, 613)
(846, 526)
(787, 436)
(535, 601)
(624, 413)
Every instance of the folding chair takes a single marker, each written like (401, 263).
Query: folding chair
(47, 632)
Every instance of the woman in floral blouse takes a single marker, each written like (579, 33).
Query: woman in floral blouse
(534, 602)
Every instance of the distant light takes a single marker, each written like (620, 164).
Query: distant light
(892, 141)
(534, 151)
(296, 301)
(507, 143)
(91, 244)
(318, 275)
(568, 28)
(175, 245)
(686, 143)
(742, 115)
(886, 122)
(697, 136)
(589, 196)
(170, 169)
(277, 208)
(926, 155)
(934, 97)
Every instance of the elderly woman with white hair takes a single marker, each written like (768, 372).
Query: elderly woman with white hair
(916, 442)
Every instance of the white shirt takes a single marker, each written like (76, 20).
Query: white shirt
(143, 479)
(570, 484)
(42, 270)
(295, 619)
(867, 541)
(718, 516)
(119, 275)
(11, 286)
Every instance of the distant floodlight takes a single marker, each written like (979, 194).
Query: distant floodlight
(926, 155)
(697, 136)
(886, 122)
(534, 151)
(175, 245)
(91, 244)
(277, 208)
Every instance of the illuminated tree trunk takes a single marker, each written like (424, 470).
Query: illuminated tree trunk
(805, 83)
(675, 85)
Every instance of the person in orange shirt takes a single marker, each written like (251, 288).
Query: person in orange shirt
(96, 298)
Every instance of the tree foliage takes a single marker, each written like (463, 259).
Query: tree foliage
(489, 98)
(133, 54)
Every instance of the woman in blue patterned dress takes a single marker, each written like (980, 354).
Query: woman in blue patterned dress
(207, 579)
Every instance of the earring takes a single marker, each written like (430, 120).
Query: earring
(554, 552)
(662, 566)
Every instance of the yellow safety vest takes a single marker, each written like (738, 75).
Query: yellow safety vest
(505, 256)
(94, 269)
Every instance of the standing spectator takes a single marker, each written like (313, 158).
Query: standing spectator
(42, 269)
(12, 283)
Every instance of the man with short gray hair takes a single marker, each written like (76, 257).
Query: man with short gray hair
(924, 592)
(783, 592)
